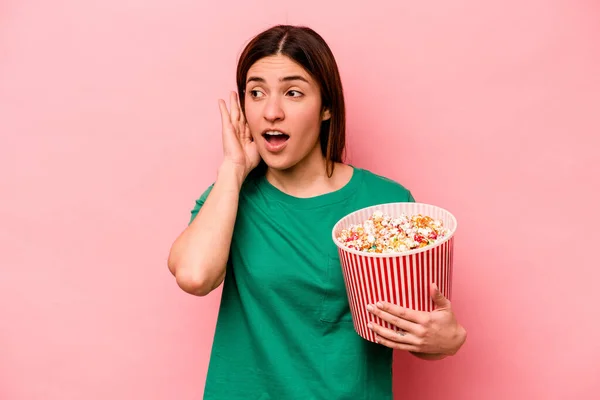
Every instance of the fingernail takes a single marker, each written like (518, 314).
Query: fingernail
(369, 307)
(370, 326)
(379, 304)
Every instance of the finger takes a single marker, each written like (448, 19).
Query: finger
(242, 114)
(399, 335)
(245, 132)
(235, 109)
(244, 127)
(225, 118)
(438, 298)
(395, 345)
(397, 322)
(403, 313)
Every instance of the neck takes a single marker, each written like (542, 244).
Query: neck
(308, 178)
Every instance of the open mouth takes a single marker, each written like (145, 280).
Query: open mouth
(275, 138)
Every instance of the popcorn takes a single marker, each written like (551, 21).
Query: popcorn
(383, 234)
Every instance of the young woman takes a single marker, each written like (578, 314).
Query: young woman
(284, 328)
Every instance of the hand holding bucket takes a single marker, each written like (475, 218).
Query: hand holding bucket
(401, 279)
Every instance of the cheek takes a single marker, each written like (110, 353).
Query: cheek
(308, 119)
(253, 119)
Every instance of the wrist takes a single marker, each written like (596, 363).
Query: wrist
(232, 173)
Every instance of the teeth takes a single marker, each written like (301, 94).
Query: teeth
(274, 133)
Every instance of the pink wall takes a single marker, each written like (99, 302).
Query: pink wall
(109, 130)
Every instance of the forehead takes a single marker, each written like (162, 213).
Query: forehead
(275, 68)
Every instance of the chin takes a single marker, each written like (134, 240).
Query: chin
(278, 163)
(279, 166)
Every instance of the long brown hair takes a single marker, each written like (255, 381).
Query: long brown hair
(307, 48)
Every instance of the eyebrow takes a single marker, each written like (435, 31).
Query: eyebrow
(284, 79)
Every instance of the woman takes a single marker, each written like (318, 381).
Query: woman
(284, 329)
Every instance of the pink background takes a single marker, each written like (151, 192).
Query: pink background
(110, 129)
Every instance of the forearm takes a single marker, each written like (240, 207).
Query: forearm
(199, 256)
(428, 357)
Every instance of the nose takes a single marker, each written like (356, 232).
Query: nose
(273, 110)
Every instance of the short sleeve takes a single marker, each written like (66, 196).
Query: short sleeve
(200, 203)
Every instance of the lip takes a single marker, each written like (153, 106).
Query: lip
(275, 148)
(273, 129)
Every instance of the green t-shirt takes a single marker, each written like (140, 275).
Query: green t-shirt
(284, 329)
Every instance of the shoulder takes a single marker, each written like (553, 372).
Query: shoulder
(200, 202)
(386, 188)
(248, 190)
(249, 185)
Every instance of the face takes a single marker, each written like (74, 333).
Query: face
(283, 110)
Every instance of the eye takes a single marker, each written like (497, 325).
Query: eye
(295, 93)
(256, 93)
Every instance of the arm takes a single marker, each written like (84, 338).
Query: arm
(198, 257)
(429, 357)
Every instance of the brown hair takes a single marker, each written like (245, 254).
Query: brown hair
(307, 48)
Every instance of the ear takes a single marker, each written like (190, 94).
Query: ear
(325, 115)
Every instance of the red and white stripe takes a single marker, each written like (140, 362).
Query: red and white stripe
(401, 279)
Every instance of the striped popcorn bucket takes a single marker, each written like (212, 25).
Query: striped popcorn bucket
(398, 278)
